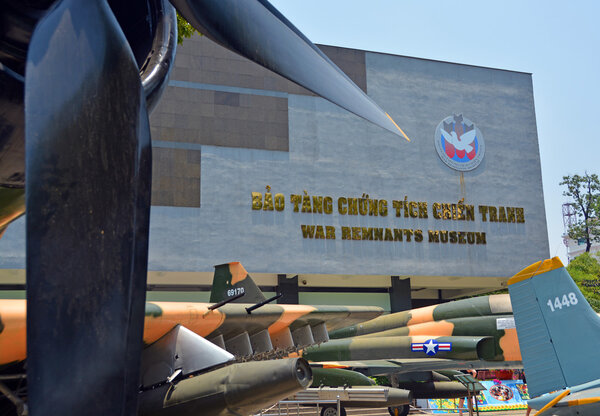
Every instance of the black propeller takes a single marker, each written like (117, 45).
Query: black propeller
(88, 168)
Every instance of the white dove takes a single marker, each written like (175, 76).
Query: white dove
(464, 142)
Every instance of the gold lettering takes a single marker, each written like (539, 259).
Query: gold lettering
(363, 205)
(367, 233)
(383, 208)
(308, 231)
(373, 207)
(493, 214)
(436, 210)
(413, 209)
(378, 234)
(356, 233)
(520, 215)
(434, 236)
(319, 232)
(256, 200)
(306, 204)
(446, 212)
(397, 234)
(483, 210)
(510, 214)
(388, 235)
(471, 237)
(418, 236)
(501, 214)
(341, 205)
(279, 202)
(480, 238)
(423, 210)
(327, 205)
(268, 205)
(330, 232)
(453, 237)
(352, 206)
(346, 233)
(397, 205)
(296, 199)
(408, 234)
(470, 213)
(461, 238)
(317, 204)
(444, 236)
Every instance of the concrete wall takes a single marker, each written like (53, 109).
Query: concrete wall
(227, 128)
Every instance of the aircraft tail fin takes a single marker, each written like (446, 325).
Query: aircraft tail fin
(558, 331)
(232, 279)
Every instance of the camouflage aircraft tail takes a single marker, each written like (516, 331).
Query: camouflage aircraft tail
(558, 331)
(231, 279)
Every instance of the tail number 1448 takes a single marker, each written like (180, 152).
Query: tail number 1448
(565, 300)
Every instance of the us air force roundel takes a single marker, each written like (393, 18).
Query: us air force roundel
(431, 346)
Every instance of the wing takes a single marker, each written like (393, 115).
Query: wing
(266, 329)
(447, 136)
(468, 137)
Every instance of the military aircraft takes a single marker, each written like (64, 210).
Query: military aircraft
(183, 373)
(419, 349)
(79, 79)
(559, 334)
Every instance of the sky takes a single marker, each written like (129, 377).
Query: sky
(557, 42)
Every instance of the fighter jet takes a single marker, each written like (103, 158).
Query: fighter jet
(420, 350)
(78, 80)
(559, 334)
(184, 373)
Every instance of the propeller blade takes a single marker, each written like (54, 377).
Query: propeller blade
(88, 175)
(257, 31)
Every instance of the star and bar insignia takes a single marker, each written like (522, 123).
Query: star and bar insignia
(431, 346)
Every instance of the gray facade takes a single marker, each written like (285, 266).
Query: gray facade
(226, 128)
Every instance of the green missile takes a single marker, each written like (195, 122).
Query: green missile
(461, 348)
(335, 377)
(237, 389)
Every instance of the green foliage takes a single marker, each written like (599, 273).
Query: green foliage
(585, 271)
(381, 380)
(184, 29)
(585, 193)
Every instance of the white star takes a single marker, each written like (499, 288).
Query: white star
(430, 347)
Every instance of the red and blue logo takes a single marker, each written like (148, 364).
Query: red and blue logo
(459, 143)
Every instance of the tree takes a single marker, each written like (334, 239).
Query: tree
(184, 29)
(585, 192)
(585, 271)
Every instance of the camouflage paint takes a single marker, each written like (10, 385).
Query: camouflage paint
(233, 277)
(13, 339)
(398, 347)
(472, 307)
(229, 320)
(12, 205)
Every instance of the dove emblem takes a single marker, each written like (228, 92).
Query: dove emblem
(459, 143)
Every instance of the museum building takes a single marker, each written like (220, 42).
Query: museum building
(326, 207)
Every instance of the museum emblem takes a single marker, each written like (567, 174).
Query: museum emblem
(459, 143)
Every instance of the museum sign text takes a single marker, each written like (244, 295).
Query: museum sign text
(372, 207)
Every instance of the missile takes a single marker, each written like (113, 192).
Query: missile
(237, 389)
(435, 389)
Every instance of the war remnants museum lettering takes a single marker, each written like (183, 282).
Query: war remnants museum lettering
(367, 206)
